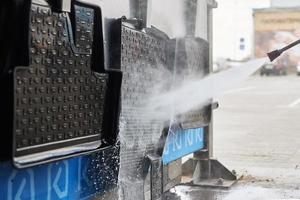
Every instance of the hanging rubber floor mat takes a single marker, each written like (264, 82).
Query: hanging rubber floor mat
(142, 56)
(59, 101)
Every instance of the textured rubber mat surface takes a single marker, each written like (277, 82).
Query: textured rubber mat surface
(58, 99)
(143, 59)
(143, 64)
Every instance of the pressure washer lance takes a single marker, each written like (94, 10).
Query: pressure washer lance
(275, 54)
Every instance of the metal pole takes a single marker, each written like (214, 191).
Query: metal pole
(205, 31)
(202, 20)
(141, 9)
(190, 15)
(66, 5)
(211, 5)
(60, 5)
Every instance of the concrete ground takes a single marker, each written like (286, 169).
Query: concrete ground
(257, 133)
(257, 130)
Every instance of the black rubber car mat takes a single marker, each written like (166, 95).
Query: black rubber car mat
(142, 58)
(59, 99)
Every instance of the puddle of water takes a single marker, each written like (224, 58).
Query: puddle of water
(237, 193)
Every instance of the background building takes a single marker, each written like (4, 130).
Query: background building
(275, 28)
(285, 3)
(233, 28)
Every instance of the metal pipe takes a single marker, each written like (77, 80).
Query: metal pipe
(58, 5)
(66, 5)
(190, 15)
(141, 9)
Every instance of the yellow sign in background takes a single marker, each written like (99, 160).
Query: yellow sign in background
(277, 20)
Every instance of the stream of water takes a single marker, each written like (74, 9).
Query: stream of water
(195, 93)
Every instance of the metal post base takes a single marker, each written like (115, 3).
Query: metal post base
(211, 173)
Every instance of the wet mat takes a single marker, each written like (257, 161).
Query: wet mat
(58, 99)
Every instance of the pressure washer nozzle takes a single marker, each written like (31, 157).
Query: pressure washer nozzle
(274, 54)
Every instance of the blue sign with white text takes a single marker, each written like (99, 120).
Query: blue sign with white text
(182, 142)
(73, 179)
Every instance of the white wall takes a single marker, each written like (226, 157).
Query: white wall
(232, 21)
(285, 3)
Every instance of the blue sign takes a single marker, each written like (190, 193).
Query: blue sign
(74, 179)
(182, 142)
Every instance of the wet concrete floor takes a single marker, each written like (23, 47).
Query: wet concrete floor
(236, 193)
(257, 134)
(257, 130)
